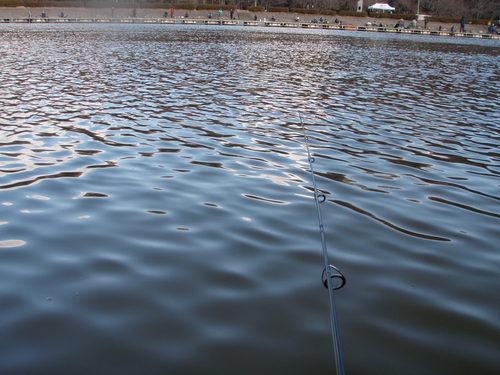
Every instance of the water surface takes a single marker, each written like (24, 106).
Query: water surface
(156, 213)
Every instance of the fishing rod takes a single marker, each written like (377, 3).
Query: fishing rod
(331, 277)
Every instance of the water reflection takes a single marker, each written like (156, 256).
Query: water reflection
(156, 203)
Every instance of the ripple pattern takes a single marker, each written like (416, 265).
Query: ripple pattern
(156, 210)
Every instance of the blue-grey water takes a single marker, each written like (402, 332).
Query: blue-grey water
(156, 207)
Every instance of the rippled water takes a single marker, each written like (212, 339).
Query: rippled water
(156, 213)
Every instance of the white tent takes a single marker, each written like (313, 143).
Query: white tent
(381, 7)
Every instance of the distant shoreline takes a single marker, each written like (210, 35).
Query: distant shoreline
(240, 17)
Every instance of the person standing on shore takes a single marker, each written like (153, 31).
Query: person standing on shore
(172, 12)
(462, 24)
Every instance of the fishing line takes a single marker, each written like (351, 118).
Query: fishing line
(331, 277)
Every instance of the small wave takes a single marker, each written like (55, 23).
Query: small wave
(12, 243)
(464, 206)
(387, 223)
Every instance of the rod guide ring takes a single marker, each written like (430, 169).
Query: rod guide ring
(337, 278)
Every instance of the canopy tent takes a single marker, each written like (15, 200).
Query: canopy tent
(381, 7)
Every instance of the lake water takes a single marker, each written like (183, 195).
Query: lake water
(156, 212)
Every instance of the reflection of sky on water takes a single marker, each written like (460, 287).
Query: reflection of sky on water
(154, 185)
